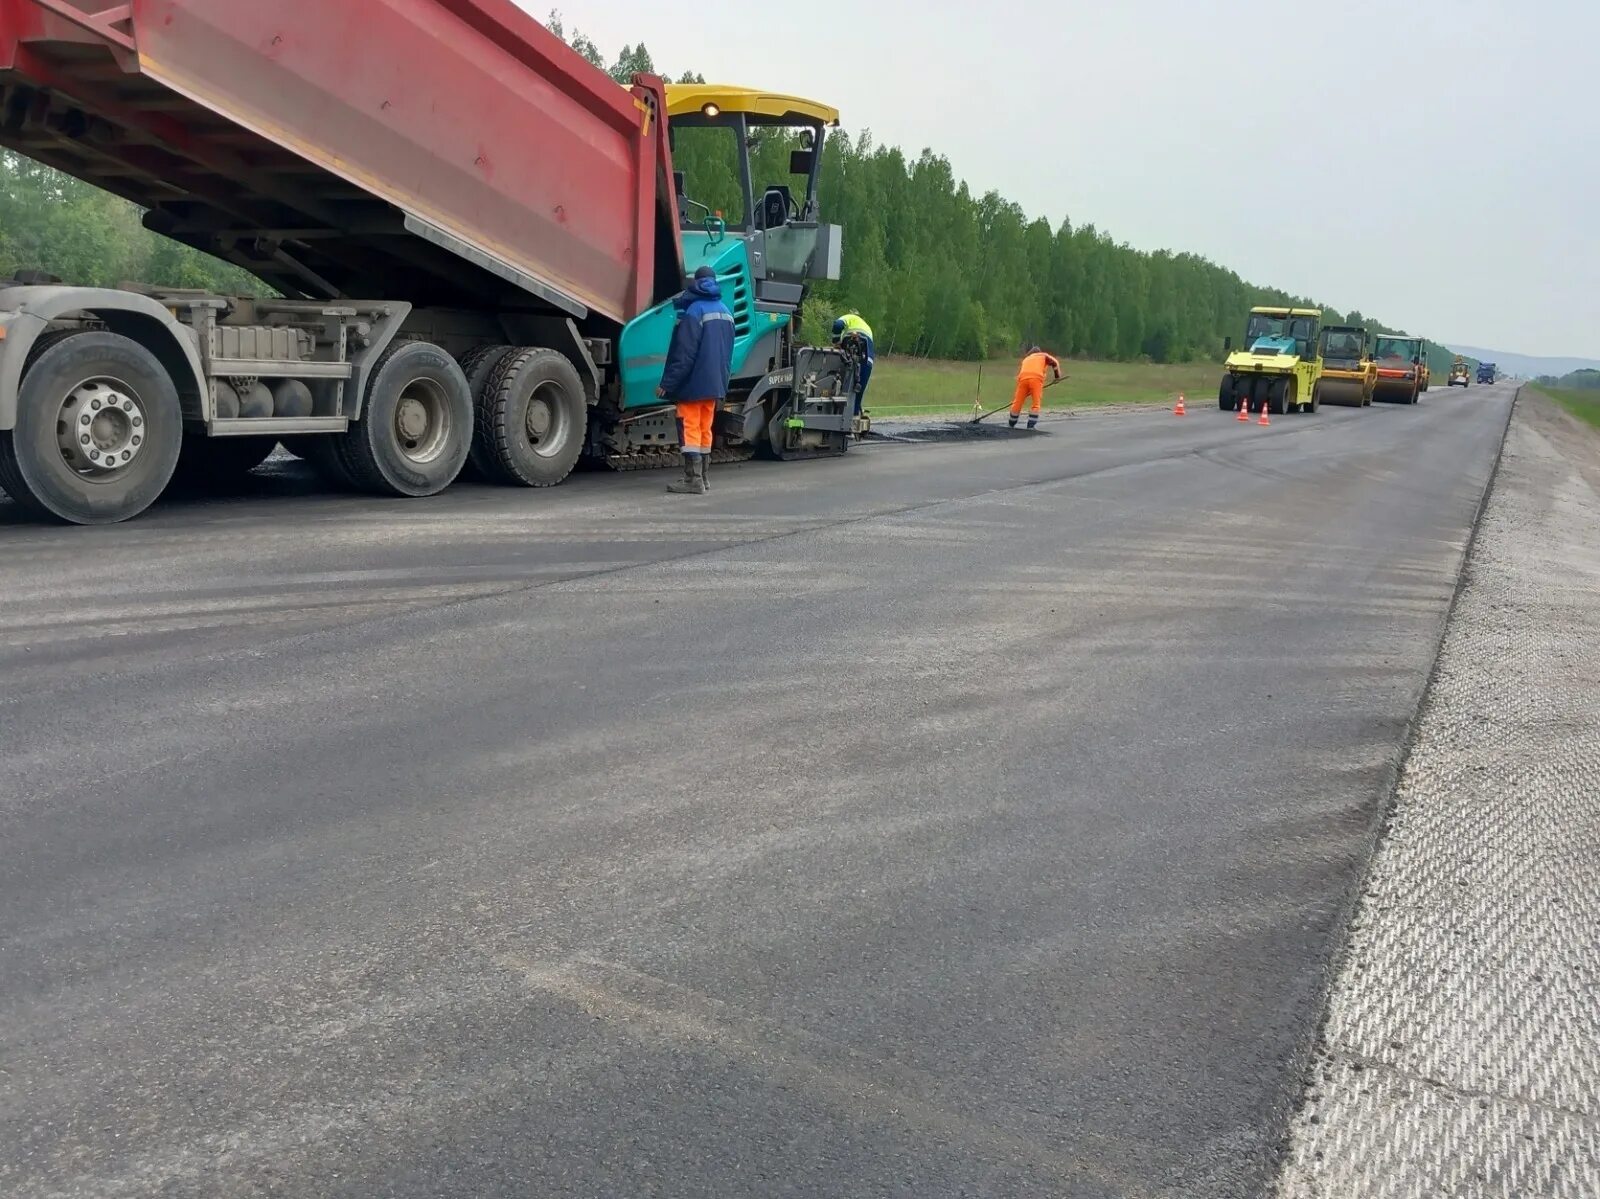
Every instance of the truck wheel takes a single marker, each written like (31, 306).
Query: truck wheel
(479, 365)
(1316, 397)
(220, 461)
(98, 431)
(415, 427)
(1225, 398)
(531, 420)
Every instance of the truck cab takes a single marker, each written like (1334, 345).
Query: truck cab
(1460, 373)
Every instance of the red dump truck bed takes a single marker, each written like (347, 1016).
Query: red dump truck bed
(454, 152)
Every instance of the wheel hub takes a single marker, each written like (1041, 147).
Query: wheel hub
(101, 427)
(422, 421)
(546, 423)
(411, 419)
(539, 420)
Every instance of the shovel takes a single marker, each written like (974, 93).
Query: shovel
(1007, 404)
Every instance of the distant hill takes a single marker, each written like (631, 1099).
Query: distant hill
(1526, 365)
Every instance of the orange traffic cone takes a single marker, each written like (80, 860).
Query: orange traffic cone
(1244, 409)
(1178, 411)
(1263, 420)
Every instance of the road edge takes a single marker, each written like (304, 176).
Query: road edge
(1304, 1054)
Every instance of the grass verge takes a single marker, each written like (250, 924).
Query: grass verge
(1585, 405)
(921, 387)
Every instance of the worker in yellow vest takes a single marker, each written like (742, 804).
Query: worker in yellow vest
(851, 326)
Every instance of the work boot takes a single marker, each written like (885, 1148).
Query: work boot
(1033, 421)
(692, 483)
(1011, 421)
(705, 472)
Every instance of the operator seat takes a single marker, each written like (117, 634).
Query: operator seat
(775, 207)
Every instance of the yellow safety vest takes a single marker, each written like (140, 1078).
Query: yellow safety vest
(854, 324)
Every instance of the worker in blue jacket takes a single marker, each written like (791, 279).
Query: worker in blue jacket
(695, 378)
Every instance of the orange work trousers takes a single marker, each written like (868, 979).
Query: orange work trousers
(696, 416)
(1028, 387)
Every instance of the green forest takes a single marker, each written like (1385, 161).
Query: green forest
(52, 222)
(937, 271)
(1584, 379)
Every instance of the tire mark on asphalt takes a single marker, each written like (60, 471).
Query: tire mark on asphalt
(649, 1008)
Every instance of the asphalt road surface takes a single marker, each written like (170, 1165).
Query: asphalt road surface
(946, 819)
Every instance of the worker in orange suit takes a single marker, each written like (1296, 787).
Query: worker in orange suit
(1030, 384)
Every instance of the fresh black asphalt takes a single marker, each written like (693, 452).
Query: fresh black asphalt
(954, 818)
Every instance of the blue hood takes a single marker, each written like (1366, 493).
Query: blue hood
(1274, 345)
(699, 289)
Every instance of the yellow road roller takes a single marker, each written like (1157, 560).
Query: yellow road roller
(1402, 368)
(1277, 365)
(1349, 375)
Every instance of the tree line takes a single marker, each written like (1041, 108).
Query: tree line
(1584, 379)
(940, 272)
(54, 223)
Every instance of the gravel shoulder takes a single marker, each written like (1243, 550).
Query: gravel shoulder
(1461, 1051)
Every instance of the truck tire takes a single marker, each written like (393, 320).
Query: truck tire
(532, 419)
(415, 427)
(98, 431)
(1225, 397)
(206, 462)
(479, 364)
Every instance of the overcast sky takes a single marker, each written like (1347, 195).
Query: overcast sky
(1451, 189)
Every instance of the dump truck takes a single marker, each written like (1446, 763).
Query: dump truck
(1278, 364)
(1460, 373)
(1488, 372)
(474, 237)
(1348, 373)
(1402, 368)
